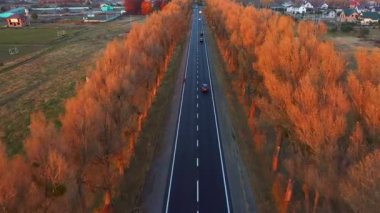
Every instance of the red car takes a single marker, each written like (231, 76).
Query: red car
(204, 88)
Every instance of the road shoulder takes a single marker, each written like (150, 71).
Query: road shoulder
(241, 195)
(156, 183)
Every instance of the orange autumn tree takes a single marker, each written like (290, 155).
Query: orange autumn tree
(103, 122)
(364, 90)
(15, 182)
(363, 86)
(69, 169)
(295, 90)
(361, 187)
(49, 169)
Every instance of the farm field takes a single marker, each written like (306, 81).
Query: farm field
(348, 43)
(47, 70)
(31, 39)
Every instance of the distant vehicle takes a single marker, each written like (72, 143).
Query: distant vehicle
(204, 88)
(201, 40)
(122, 12)
(201, 34)
(199, 19)
(200, 12)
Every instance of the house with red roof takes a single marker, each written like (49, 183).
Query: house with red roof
(17, 21)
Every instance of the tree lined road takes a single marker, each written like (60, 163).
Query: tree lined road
(197, 180)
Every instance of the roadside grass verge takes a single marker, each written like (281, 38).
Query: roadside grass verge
(149, 142)
(257, 164)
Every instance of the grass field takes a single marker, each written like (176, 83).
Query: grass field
(31, 39)
(348, 43)
(44, 78)
(30, 35)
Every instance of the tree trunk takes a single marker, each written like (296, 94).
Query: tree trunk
(107, 198)
(307, 198)
(289, 191)
(107, 203)
(275, 159)
(316, 199)
(279, 135)
(82, 200)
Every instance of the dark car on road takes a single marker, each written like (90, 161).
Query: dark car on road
(201, 40)
(204, 88)
(201, 34)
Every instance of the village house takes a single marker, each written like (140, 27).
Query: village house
(17, 21)
(329, 14)
(296, 10)
(16, 17)
(309, 7)
(348, 15)
(324, 6)
(368, 18)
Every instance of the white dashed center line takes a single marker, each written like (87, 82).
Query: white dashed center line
(197, 191)
(197, 105)
(197, 115)
(197, 162)
(197, 128)
(197, 143)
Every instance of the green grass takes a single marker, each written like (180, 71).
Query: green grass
(31, 36)
(55, 107)
(23, 50)
(28, 40)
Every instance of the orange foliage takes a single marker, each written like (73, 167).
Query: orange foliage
(287, 76)
(364, 87)
(361, 188)
(67, 169)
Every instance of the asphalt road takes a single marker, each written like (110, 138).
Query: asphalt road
(197, 177)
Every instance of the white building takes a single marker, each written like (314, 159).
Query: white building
(324, 6)
(308, 5)
(296, 10)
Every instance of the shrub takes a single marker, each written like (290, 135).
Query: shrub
(347, 28)
(333, 29)
(34, 16)
(363, 32)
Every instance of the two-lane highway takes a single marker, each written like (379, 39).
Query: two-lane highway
(197, 177)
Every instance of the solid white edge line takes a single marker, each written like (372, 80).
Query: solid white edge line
(217, 129)
(179, 120)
